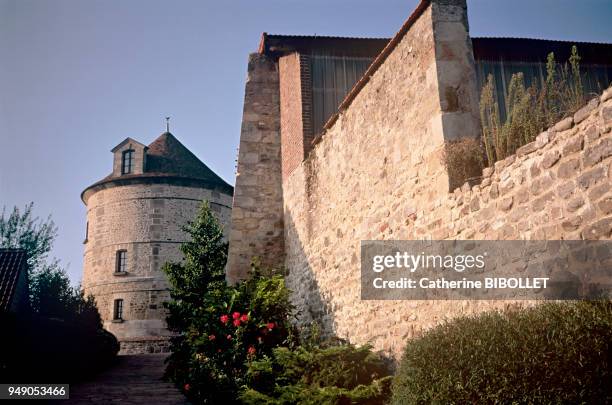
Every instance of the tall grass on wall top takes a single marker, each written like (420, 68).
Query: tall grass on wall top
(529, 110)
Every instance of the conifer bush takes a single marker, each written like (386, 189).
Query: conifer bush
(318, 374)
(552, 353)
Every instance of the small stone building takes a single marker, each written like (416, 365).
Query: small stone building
(135, 218)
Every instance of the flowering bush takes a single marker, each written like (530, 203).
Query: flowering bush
(221, 328)
(236, 344)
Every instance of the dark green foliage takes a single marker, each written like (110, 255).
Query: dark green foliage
(339, 374)
(221, 327)
(552, 353)
(61, 338)
(52, 296)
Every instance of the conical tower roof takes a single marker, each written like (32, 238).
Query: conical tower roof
(168, 155)
(167, 161)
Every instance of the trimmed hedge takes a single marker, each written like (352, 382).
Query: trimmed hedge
(552, 353)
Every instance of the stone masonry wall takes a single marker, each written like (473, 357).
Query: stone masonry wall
(257, 210)
(377, 174)
(145, 220)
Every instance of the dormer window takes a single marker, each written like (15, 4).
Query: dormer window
(127, 161)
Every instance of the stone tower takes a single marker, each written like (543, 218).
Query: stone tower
(135, 217)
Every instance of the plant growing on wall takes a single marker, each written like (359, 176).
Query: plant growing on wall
(529, 110)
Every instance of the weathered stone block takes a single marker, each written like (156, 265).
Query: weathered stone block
(563, 125)
(595, 153)
(568, 168)
(540, 203)
(505, 204)
(598, 230)
(550, 159)
(526, 149)
(592, 133)
(585, 111)
(573, 145)
(590, 178)
(565, 190)
(575, 203)
(605, 205)
(571, 224)
(606, 114)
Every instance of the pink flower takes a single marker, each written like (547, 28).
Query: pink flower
(251, 351)
(187, 387)
(224, 319)
(229, 337)
(270, 325)
(236, 322)
(244, 318)
(236, 315)
(211, 337)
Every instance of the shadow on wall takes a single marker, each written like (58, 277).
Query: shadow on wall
(311, 304)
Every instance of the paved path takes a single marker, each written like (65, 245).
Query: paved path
(134, 379)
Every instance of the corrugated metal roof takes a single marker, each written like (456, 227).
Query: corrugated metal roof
(277, 45)
(529, 49)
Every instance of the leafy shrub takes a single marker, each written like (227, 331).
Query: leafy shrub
(338, 374)
(552, 353)
(531, 110)
(221, 327)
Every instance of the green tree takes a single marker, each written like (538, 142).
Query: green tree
(219, 327)
(21, 230)
(51, 294)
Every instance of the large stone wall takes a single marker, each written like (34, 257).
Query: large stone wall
(146, 220)
(377, 174)
(257, 210)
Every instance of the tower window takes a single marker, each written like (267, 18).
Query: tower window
(118, 310)
(127, 161)
(121, 261)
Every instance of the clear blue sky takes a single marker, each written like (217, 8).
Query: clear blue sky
(78, 76)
